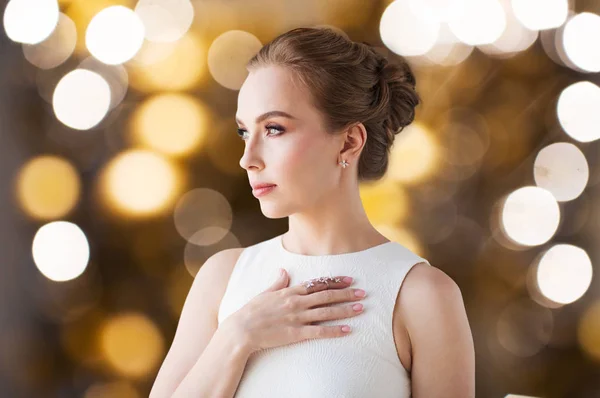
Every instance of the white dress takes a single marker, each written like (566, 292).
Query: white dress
(363, 363)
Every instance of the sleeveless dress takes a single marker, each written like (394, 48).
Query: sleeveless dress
(363, 363)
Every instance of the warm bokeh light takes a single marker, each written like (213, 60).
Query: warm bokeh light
(174, 124)
(564, 273)
(198, 210)
(115, 75)
(140, 182)
(48, 187)
(514, 39)
(413, 155)
(440, 10)
(448, 50)
(165, 20)
(228, 55)
(30, 21)
(524, 328)
(112, 389)
(530, 14)
(115, 35)
(587, 331)
(385, 201)
(55, 49)
(171, 66)
(132, 344)
(482, 22)
(60, 251)
(530, 216)
(577, 110)
(407, 29)
(580, 41)
(562, 169)
(81, 99)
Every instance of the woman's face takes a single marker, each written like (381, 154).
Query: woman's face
(294, 152)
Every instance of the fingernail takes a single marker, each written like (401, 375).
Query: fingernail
(348, 279)
(359, 293)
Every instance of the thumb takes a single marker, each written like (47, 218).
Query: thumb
(281, 282)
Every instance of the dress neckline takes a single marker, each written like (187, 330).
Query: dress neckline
(279, 240)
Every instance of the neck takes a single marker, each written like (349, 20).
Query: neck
(332, 226)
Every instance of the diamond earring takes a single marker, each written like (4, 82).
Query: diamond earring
(344, 163)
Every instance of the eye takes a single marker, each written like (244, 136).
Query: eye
(278, 130)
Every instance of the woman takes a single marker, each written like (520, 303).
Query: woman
(318, 113)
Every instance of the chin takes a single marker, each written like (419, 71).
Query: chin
(272, 210)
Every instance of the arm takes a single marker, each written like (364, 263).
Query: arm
(197, 333)
(443, 361)
(218, 371)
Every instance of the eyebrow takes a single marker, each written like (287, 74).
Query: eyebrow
(268, 115)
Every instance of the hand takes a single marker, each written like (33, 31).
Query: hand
(282, 315)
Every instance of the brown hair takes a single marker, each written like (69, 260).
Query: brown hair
(349, 82)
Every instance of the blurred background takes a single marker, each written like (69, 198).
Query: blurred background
(120, 176)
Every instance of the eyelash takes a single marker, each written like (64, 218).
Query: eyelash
(241, 132)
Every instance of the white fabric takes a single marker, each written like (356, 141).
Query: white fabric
(361, 364)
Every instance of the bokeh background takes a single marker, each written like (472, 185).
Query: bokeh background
(119, 177)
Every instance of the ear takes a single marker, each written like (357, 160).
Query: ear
(355, 138)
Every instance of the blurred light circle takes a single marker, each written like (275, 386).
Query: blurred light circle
(140, 182)
(564, 273)
(440, 10)
(228, 55)
(580, 41)
(48, 187)
(132, 344)
(530, 216)
(514, 39)
(448, 50)
(165, 20)
(414, 154)
(60, 251)
(169, 66)
(541, 14)
(587, 331)
(30, 21)
(562, 169)
(407, 29)
(524, 328)
(115, 75)
(577, 110)
(172, 123)
(203, 209)
(483, 22)
(115, 35)
(55, 49)
(81, 99)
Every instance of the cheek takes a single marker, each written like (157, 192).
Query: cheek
(303, 159)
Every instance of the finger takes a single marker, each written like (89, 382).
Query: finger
(320, 332)
(281, 282)
(321, 314)
(322, 283)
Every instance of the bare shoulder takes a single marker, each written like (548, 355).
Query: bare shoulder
(428, 292)
(426, 282)
(217, 270)
(436, 322)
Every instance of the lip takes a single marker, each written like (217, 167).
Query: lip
(262, 185)
(265, 189)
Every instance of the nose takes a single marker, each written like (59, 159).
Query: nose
(251, 159)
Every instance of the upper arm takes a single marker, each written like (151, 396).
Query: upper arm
(443, 355)
(198, 321)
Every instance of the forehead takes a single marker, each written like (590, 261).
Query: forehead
(271, 88)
